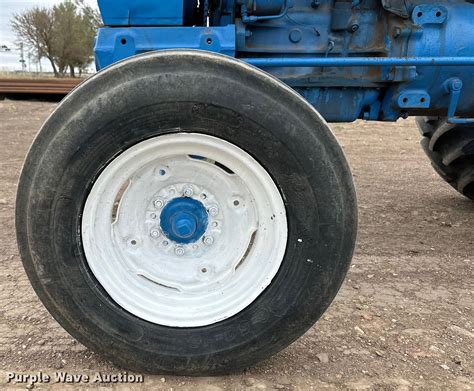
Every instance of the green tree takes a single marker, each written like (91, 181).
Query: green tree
(63, 34)
(90, 22)
(65, 31)
(75, 27)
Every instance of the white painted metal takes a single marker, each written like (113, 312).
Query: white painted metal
(194, 284)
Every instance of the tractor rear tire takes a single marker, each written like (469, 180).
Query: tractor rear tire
(135, 123)
(450, 147)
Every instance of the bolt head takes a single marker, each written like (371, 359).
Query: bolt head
(155, 233)
(179, 251)
(213, 210)
(188, 192)
(208, 240)
(456, 85)
(158, 204)
(295, 35)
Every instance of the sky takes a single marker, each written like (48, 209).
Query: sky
(9, 61)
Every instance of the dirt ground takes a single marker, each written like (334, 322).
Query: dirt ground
(403, 319)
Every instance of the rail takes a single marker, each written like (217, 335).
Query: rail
(38, 86)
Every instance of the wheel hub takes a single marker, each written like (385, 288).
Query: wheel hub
(184, 220)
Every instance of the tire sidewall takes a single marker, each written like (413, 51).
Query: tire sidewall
(158, 94)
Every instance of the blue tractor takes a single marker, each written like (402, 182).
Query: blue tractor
(187, 209)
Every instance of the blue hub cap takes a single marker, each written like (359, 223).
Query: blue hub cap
(184, 220)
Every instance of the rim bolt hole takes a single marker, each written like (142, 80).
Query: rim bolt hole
(164, 243)
(179, 251)
(203, 196)
(158, 204)
(133, 242)
(162, 172)
(236, 202)
(215, 224)
(204, 270)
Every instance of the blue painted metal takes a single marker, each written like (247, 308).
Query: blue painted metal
(142, 12)
(268, 5)
(263, 62)
(353, 100)
(184, 220)
(411, 99)
(370, 54)
(454, 87)
(115, 44)
(429, 13)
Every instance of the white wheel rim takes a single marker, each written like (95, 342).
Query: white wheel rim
(125, 228)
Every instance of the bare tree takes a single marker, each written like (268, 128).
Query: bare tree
(35, 28)
(63, 34)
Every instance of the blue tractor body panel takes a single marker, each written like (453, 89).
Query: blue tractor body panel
(370, 59)
(142, 12)
(115, 44)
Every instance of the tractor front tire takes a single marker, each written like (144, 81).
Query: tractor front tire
(182, 212)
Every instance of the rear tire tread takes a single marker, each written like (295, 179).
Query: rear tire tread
(450, 148)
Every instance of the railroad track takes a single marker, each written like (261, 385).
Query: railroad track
(38, 86)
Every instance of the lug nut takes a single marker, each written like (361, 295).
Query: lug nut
(155, 233)
(188, 192)
(213, 210)
(179, 251)
(158, 204)
(208, 240)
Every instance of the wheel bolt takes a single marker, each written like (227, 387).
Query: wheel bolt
(208, 240)
(213, 210)
(153, 215)
(179, 251)
(158, 204)
(155, 233)
(188, 192)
